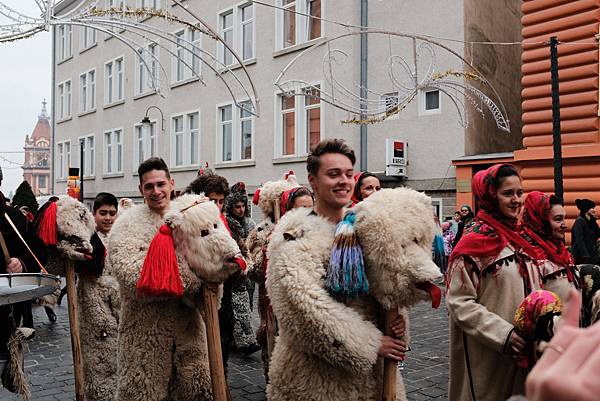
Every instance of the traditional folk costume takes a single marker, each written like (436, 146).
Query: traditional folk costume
(240, 227)
(490, 273)
(162, 351)
(99, 306)
(555, 264)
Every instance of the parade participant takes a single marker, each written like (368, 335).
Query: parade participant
(162, 342)
(585, 234)
(328, 347)
(544, 226)
(216, 188)
(365, 184)
(295, 198)
(466, 221)
(489, 275)
(20, 261)
(99, 304)
(240, 224)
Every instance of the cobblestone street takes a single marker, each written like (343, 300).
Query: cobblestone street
(49, 364)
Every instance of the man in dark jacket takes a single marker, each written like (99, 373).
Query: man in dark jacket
(585, 234)
(19, 261)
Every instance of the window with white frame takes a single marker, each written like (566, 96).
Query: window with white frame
(186, 63)
(235, 133)
(114, 90)
(64, 100)
(185, 140)
(65, 42)
(147, 58)
(298, 124)
(88, 37)
(430, 102)
(64, 158)
(298, 21)
(155, 4)
(144, 142)
(113, 151)
(87, 91)
(390, 101)
(114, 4)
(236, 26)
(89, 155)
(246, 126)
(226, 132)
(41, 181)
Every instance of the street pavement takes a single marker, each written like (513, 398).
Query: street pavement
(49, 367)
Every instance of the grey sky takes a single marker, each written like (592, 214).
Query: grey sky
(25, 71)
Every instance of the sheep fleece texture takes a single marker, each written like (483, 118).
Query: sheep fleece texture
(326, 349)
(162, 346)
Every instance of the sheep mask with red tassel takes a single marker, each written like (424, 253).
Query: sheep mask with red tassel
(66, 227)
(193, 233)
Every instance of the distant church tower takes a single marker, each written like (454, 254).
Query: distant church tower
(36, 168)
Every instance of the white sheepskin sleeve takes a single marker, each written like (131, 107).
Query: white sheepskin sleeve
(129, 240)
(307, 314)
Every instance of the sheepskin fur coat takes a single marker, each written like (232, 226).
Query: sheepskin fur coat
(99, 304)
(162, 341)
(327, 349)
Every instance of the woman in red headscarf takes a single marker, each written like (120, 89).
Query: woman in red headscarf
(544, 226)
(365, 185)
(490, 272)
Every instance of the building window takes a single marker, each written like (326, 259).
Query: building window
(144, 142)
(41, 181)
(113, 81)
(113, 152)
(298, 126)
(186, 62)
(65, 42)
(235, 133)
(88, 38)
(429, 102)
(153, 4)
(296, 22)
(236, 26)
(146, 59)
(64, 158)
(89, 155)
(64, 100)
(185, 140)
(390, 101)
(87, 91)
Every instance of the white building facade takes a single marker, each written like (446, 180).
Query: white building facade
(101, 95)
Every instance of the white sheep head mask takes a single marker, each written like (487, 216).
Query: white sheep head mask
(200, 236)
(395, 228)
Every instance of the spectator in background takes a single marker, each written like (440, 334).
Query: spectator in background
(585, 234)
(466, 220)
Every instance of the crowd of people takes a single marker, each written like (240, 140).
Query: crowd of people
(514, 292)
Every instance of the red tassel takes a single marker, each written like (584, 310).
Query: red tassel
(47, 230)
(160, 272)
(225, 223)
(256, 196)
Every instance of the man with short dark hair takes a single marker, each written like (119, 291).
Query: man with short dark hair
(162, 345)
(329, 345)
(105, 210)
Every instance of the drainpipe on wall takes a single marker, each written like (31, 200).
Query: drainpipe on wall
(52, 113)
(364, 55)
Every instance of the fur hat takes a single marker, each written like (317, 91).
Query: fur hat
(584, 205)
(237, 193)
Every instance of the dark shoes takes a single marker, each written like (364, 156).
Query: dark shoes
(249, 350)
(50, 313)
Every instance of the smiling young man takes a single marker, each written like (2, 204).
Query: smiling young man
(162, 346)
(329, 346)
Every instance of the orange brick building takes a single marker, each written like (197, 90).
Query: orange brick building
(36, 167)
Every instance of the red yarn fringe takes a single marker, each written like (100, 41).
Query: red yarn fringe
(47, 230)
(160, 271)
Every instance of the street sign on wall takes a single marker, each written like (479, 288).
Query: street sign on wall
(396, 154)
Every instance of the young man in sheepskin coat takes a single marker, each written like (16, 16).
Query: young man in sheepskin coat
(99, 304)
(162, 341)
(329, 348)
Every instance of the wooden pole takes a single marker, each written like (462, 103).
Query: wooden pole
(390, 367)
(213, 339)
(74, 323)
(556, 134)
(4, 249)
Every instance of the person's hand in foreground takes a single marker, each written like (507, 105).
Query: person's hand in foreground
(568, 369)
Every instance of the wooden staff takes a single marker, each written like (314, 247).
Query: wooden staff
(4, 249)
(74, 323)
(213, 339)
(390, 366)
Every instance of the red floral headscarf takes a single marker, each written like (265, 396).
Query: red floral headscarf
(536, 229)
(492, 231)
